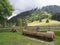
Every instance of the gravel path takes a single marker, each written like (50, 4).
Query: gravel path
(50, 43)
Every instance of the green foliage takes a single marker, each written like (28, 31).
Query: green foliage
(30, 16)
(37, 14)
(43, 30)
(44, 14)
(2, 21)
(40, 20)
(5, 11)
(51, 9)
(56, 16)
(5, 8)
(47, 21)
(54, 10)
(24, 23)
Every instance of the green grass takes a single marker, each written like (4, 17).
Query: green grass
(43, 23)
(57, 40)
(5, 30)
(39, 30)
(16, 38)
(57, 37)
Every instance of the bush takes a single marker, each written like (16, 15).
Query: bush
(43, 31)
(40, 20)
(47, 21)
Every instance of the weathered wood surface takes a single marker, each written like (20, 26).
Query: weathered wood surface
(45, 35)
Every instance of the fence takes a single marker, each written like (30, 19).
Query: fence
(44, 27)
(8, 29)
(34, 28)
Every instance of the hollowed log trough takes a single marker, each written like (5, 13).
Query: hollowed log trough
(44, 35)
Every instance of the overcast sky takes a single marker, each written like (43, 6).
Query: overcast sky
(24, 5)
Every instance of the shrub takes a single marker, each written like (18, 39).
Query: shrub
(47, 21)
(43, 31)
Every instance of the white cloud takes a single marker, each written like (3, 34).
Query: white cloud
(23, 5)
(28, 4)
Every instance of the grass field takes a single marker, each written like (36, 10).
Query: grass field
(16, 38)
(43, 23)
(57, 37)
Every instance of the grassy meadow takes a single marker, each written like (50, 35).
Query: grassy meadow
(43, 23)
(16, 38)
(57, 37)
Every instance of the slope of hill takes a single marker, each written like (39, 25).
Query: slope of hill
(21, 15)
(43, 23)
(52, 9)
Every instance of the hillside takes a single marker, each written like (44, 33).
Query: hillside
(37, 14)
(52, 9)
(21, 15)
(43, 23)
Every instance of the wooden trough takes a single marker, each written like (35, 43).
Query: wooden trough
(46, 35)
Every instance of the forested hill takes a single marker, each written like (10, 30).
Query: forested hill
(21, 15)
(52, 9)
(37, 14)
